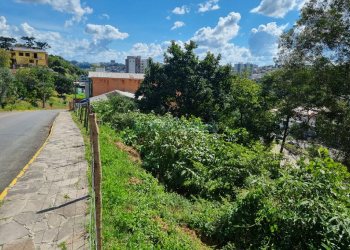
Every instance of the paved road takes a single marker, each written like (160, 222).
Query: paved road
(21, 135)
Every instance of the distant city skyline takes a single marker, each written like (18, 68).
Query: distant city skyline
(100, 31)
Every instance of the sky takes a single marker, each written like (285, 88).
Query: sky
(101, 30)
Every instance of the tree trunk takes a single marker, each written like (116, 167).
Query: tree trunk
(44, 102)
(285, 133)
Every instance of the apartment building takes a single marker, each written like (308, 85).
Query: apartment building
(136, 65)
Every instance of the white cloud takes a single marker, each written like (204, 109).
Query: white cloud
(263, 41)
(3, 24)
(277, 8)
(226, 29)
(104, 32)
(177, 24)
(145, 50)
(73, 7)
(168, 18)
(209, 5)
(181, 10)
(105, 16)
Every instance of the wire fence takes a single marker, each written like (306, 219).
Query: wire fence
(88, 119)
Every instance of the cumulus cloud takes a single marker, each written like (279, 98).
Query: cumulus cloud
(105, 32)
(181, 10)
(209, 5)
(177, 24)
(145, 50)
(3, 24)
(263, 40)
(226, 29)
(277, 8)
(73, 7)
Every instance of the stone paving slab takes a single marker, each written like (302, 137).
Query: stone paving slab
(47, 208)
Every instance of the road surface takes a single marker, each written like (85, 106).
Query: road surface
(21, 135)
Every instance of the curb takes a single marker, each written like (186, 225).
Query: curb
(21, 173)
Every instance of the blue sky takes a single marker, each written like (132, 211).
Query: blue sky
(100, 30)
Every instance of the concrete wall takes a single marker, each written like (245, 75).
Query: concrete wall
(104, 85)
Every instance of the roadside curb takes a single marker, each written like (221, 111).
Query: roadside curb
(21, 173)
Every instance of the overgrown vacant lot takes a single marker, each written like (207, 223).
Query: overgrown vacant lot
(195, 189)
(137, 212)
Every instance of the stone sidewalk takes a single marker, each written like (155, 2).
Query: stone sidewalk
(47, 208)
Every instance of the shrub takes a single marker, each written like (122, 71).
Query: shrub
(305, 208)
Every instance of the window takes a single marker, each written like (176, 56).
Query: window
(20, 53)
(28, 54)
(35, 55)
(31, 61)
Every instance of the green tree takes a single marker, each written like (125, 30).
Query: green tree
(286, 90)
(63, 84)
(45, 86)
(245, 108)
(7, 42)
(320, 40)
(42, 45)
(6, 85)
(185, 85)
(4, 59)
(29, 41)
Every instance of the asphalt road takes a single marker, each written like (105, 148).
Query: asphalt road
(21, 135)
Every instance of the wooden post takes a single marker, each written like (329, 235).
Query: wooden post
(97, 178)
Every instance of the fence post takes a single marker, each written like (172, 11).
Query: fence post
(97, 178)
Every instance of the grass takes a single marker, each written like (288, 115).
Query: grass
(137, 212)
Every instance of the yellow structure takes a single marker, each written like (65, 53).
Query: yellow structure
(23, 57)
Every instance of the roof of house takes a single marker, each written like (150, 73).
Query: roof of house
(109, 94)
(93, 74)
(27, 49)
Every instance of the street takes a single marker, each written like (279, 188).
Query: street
(21, 135)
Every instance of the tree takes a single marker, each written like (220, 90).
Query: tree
(29, 41)
(45, 86)
(6, 85)
(245, 108)
(286, 90)
(42, 45)
(320, 40)
(7, 42)
(4, 59)
(185, 85)
(63, 84)
(35, 83)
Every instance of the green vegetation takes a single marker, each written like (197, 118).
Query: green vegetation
(137, 212)
(204, 135)
(187, 86)
(237, 194)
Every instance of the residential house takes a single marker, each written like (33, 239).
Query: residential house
(23, 57)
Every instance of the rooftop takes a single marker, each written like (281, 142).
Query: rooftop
(116, 75)
(27, 49)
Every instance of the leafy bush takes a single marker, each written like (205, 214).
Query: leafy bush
(186, 157)
(305, 208)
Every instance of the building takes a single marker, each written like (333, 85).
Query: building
(144, 65)
(23, 57)
(104, 82)
(133, 64)
(247, 68)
